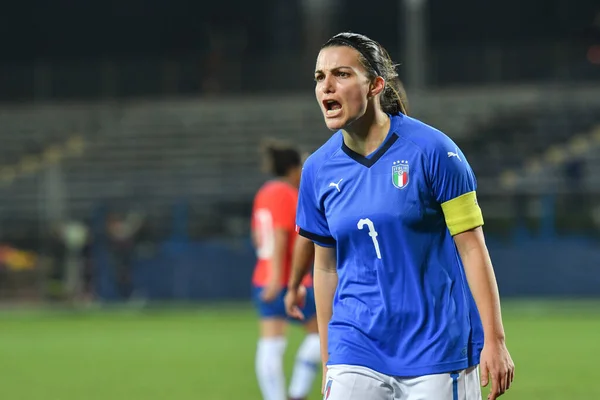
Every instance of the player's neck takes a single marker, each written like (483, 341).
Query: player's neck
(286, 179)
(367, 134)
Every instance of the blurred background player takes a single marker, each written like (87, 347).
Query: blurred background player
(274, 236)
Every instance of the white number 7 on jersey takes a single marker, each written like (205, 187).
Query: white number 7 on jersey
(372, 233)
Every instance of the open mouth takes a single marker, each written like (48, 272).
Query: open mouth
(332, 107)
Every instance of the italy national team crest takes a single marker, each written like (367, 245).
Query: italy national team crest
(400, 174)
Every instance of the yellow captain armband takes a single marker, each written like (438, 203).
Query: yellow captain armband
(462, 213)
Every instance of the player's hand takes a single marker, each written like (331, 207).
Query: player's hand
(270, 292)
(294, 301)
(497, 365)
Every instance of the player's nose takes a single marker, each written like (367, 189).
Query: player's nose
(327, 84)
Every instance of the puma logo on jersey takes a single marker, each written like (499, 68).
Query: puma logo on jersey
(452, 154)
(336, 185)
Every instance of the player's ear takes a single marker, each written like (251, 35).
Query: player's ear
(377, 86)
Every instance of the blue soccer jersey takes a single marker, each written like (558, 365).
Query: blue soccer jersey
(402, 306)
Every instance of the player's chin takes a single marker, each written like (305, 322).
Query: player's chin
(335, 124)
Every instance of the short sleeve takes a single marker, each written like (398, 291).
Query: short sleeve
(310, 216)
(454, 187)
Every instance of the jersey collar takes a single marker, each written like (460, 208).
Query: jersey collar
(383, 148)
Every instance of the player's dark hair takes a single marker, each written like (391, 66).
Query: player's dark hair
(376, 60)
(279, 158)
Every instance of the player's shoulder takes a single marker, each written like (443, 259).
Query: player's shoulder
(273, 190)
(425, 137)
(276, 188)
(323, 154)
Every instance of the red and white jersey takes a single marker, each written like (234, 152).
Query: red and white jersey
(274, 208)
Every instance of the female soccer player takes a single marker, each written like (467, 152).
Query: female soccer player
(406, 297)
(273, 232)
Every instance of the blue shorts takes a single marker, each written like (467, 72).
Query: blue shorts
(276, 308)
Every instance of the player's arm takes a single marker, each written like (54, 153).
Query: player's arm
(325, 282)
(273, 286)
(454, 185)
(312, 224)
(464, 220)
(278, 258)
(302, 256)
(482, 282)
(301, 261)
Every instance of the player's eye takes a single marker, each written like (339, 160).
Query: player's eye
(318, 78)
(343, 74)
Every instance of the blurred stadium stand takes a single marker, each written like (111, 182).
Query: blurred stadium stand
(191, 167)
(133, 175)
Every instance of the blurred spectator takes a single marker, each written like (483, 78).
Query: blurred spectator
(65, 248)
(123, 233)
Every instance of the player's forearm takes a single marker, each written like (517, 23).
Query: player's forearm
(485, 292)
(301, 257)
(278, 257)
(325, 284)
(276, 268)
(482, 282)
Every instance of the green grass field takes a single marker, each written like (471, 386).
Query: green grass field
(208, 353)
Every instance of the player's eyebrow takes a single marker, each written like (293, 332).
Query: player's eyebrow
(333, 69)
